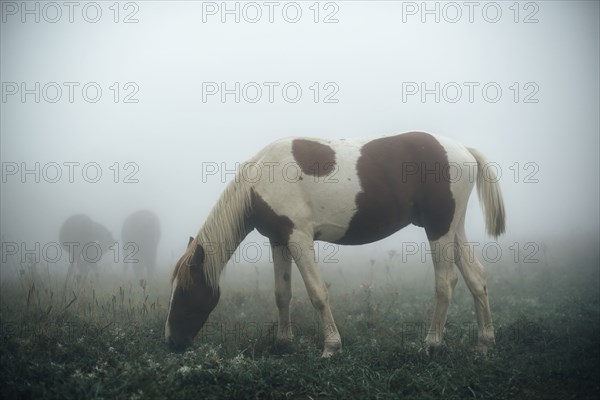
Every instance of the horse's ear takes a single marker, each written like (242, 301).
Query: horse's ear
(190, 241)
(198, 256)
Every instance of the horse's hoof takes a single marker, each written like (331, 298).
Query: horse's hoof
(485, 344)
(328, 353)
(331, 348)
(432, 350)
(483, 348)
(283, 346)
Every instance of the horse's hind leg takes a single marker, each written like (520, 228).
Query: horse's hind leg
(445, 281)
(282, 263)
(475, 278)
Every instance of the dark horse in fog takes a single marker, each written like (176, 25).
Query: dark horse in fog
(140, 235)
(87, 242)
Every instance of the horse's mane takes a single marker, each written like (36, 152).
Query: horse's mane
(224, 229)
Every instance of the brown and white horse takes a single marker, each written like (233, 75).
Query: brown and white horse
(358, 191)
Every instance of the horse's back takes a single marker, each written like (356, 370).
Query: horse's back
(75, 228)
(358, 191)
(80, 230)
(141, 226)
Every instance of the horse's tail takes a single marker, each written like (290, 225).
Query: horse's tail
(490, 196)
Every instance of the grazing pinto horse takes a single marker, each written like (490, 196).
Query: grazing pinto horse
(353, 192)
(140, 235)
(86, 241)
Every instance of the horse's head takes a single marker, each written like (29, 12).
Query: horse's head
(192, 299)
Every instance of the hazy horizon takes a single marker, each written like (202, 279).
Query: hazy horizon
(371, 69)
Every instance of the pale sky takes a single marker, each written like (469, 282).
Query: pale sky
(371, 61)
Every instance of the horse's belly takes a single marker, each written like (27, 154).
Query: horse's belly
(331, 227)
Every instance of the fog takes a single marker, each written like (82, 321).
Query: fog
(140, 101)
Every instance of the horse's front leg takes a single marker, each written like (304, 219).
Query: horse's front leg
(70, 276)
(282, 263)
(302, 249)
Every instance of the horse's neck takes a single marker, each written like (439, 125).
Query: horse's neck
(225, 228)
(228, 244)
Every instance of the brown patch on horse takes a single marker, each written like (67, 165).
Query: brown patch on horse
(404, 179)
(277, 228)
(314, 158)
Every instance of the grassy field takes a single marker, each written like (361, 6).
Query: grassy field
(107, 342)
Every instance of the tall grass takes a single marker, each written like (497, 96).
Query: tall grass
(103, 337)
